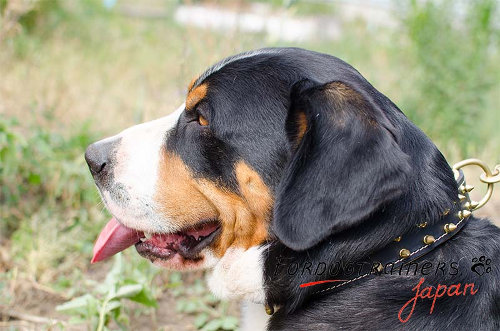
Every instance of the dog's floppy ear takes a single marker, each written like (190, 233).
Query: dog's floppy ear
(345, 163)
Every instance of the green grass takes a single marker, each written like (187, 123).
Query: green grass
(457, 72)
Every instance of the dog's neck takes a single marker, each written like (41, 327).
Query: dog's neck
(431, 191)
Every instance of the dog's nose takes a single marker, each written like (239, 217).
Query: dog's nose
(98, 156)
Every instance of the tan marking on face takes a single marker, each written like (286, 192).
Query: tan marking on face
(202, 120)
(191, 83)
(187, 200)
(244, 218)
(254, 190)
(196, 95)
(177, 194)
(301, 126)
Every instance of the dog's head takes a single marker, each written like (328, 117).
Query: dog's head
(276, 144)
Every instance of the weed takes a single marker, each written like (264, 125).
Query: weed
(210, 313)
(105, 303)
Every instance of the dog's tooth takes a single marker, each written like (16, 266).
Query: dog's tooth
(148, 235)
(143, 239)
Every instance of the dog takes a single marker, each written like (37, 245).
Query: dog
(283, 162)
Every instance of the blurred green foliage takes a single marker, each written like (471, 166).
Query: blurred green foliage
(42, 169)
(210, 313)
(301, 7)
(104, 303)
(455, 57)
(47, 197)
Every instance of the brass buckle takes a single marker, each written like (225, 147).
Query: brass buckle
(488, 177)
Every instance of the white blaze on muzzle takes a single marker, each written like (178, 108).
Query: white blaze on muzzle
(126, 172)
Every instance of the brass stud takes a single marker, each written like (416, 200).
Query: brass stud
(450, 227)
(465, 188)
(462, 197)
(379, 267)
(404, 253)
(471, 205)
(428, 239)
(422, 225)
(461, 189)
(446, 212)
(464, 214)
(398, 239)
(269, 310)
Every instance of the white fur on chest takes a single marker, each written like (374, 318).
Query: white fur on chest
(239, 275)
(253, 317)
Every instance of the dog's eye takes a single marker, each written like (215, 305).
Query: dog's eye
(202, 120)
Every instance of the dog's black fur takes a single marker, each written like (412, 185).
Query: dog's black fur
(361, 175)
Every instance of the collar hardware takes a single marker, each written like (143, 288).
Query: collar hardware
(411, 247)
(449, 227)
(488, 177)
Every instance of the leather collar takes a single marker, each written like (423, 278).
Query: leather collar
(415, 244)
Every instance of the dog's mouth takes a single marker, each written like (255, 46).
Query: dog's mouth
(187, 243)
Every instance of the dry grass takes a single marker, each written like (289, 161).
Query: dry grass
(116, 71)
(127, 72)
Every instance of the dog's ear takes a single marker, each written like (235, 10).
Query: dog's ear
(345, 163)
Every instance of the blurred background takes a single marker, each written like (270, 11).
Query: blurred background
(74, 71)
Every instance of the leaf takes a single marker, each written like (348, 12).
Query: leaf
(201, 320)
(113, 276)
(181, 305)
(112, 305)
(145, 297)
(198, 287)
(77, 303)
(128, 291)
(229, 323)
(34, 179)
(191, 307)
(76, 320)
(213, 325)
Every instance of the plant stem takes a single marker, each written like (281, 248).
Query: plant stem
(102, 314)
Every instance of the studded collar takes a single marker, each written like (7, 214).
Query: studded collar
(411, 246)
(425, 238)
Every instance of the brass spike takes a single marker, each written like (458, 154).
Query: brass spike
(422, 225)
(465, 188)
(428, 239)
(446, 212)
(462, 197)
(471, 205)
(398, 239)
(404, 253)
(469, 188)
(464, 214)
(269, 310)
(450, 227)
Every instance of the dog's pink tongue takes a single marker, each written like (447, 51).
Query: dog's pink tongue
(114, 238)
